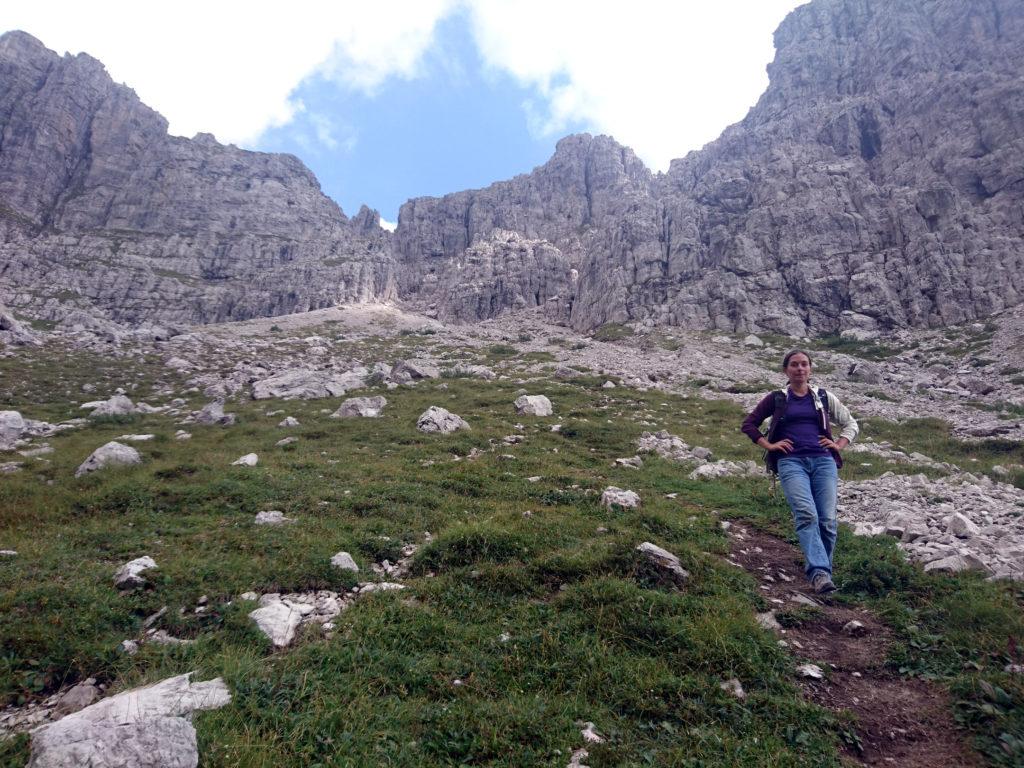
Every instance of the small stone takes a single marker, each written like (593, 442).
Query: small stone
(664, 560)
(608, 385)
(288, 422)
(110, 454)
(732, 686)
(344, 561)
(590, 734)
(811, 671)
(271, 517)
(129, 647)
(286, 441)
(614, 496)
(76, 698)
(533, 405)
(249, 460)
(439, 420)
(961, 526)
(360, 407)
(768, 621)
(854, 628)
(129, 575)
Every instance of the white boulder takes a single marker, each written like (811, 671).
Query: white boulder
(614, 496)
(249, 460)
(664, 561)
(110, 454)
(365, 407)
(344, 562)
(436, 419)
(118, 405)
(272, 517)
(143, 728)
(533, 405)
(278, 621)
(129, 575)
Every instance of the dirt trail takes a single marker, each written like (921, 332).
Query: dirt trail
(899, 721)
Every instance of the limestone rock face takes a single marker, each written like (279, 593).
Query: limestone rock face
(101, 209)
(877, 183)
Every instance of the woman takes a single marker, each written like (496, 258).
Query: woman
(802, 451)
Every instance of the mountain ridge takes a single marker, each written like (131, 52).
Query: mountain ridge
(877, 183)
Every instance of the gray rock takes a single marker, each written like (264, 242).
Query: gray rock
(118, 405)
(288, 422)
(533, 405)
(129, 575)
(439, 420)
(77, 698)
(213, 414)
(961, 526)
(343, 561)
(110, 454)
(271, 517)
(249, 460)
(143, 728)
(365, 407)
(12, 426)
(733, 687)
(664, 561)
(951, 564)
(305, 384)
(614, 496)
(278, 621)
(413, 370)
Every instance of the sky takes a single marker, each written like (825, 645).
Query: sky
(396, 99)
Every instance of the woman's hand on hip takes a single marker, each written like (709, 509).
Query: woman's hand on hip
(835, 445)
(782, 445)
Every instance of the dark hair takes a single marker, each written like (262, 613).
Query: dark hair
(789, 355)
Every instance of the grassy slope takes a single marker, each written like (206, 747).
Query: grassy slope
(593, 635)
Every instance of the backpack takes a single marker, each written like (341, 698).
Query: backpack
(771, 459)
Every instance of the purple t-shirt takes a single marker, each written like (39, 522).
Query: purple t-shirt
(801, 426)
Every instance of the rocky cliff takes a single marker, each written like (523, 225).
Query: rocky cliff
(100, 208)
(878, 182)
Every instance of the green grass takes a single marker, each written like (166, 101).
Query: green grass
(546, 618)
(612, 332)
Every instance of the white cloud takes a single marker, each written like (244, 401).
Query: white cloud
(390, 226)
(661, 76)
(229, 68)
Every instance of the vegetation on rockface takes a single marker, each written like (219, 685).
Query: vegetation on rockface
(527, 612)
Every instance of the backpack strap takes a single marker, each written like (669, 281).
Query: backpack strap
(771, 460)
(823, 421)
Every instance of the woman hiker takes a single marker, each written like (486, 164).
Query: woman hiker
(806, 457)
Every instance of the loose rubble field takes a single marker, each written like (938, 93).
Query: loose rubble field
(511, 549)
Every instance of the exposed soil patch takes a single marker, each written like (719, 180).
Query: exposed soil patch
(899, 721)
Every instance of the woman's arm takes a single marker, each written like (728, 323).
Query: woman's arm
(751, 424)
(841, 415)
(756, 417)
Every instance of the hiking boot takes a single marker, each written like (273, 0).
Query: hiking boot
(822, 584)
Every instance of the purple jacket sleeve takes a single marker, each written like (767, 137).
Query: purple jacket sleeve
(764, 409)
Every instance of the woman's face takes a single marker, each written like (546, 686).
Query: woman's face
(798, 369)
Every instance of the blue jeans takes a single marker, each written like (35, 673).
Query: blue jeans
(809, 483)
